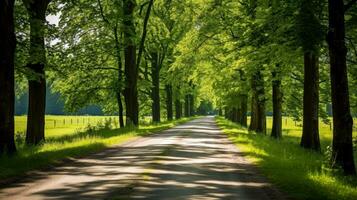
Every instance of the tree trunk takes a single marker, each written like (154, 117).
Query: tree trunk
(187, 106)
(7, 89)
(143, 37)
(191, 105)
(258, 118)
(243, 110)
(342, 147)
(236, 114)
(276, 131)
(310, 133)
(178, 109)
(37, 84)
(120, 79)
(155, 91)
(121, 110)
(131, 71)
(220, 112)
(229, 114)
(168, 89)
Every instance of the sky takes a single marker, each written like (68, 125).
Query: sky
(53, 19)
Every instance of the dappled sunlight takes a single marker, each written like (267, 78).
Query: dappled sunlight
(186, 162)
(55, 149)
(299, 171)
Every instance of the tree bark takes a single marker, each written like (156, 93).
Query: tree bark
(243, 110)
(178, 109)
(187, 106)
(192, 105)
(276, 131)
(233, 114)
(37, 82)
(155, 91)
(342, 146)
(310, 133)
(121, 110)
(220, 112)
(131, 69)
(7, 88)
(258, 118)
(120, 79)
(168, 89)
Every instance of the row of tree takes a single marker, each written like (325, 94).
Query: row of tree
(116, 54)
(148, 55)
(242, 48)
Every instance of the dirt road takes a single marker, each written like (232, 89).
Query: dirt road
(191, 161)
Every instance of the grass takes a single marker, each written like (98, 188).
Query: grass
(62, 124)
(301, 173)
(72, 142)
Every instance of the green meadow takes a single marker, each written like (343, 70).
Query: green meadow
(59, 125)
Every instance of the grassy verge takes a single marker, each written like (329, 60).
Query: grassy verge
(298, 172)
(58, 147)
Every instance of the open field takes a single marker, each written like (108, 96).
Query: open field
(301, 173)
(71, 140)
(294, 129)
(57, 125)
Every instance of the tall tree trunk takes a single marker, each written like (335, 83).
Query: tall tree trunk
(258, 119)
(7, 89)
(155, 91)
(120, 78)
(220, 112)
(310, 133)
(243, 110)
(342, 148)
(168, 89)
(233, 114)
(236, 114)
(131, 69)
(276, 131)
(229, 114)
(178, 109)
(253, 113)
(37, 84)
(192, 105)
(121, 110)
(187, 106)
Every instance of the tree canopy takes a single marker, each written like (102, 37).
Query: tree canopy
(165, 58)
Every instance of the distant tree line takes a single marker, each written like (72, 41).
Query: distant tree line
(54, 106)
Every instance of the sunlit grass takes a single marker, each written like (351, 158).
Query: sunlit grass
(302, 174)
(72, 143)
(62, 124)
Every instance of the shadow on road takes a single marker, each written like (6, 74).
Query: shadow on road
(191, 161)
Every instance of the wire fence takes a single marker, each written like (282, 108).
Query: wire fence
(58, 122)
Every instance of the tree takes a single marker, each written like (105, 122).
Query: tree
(258, 116)
(342, 148)
(115, 30)
(310, 34)
(155, 91)
(168, 89)
(36, 65)
(87, 61)
(131, 68)
(276, 131)
(7, 88)
(178, 109)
